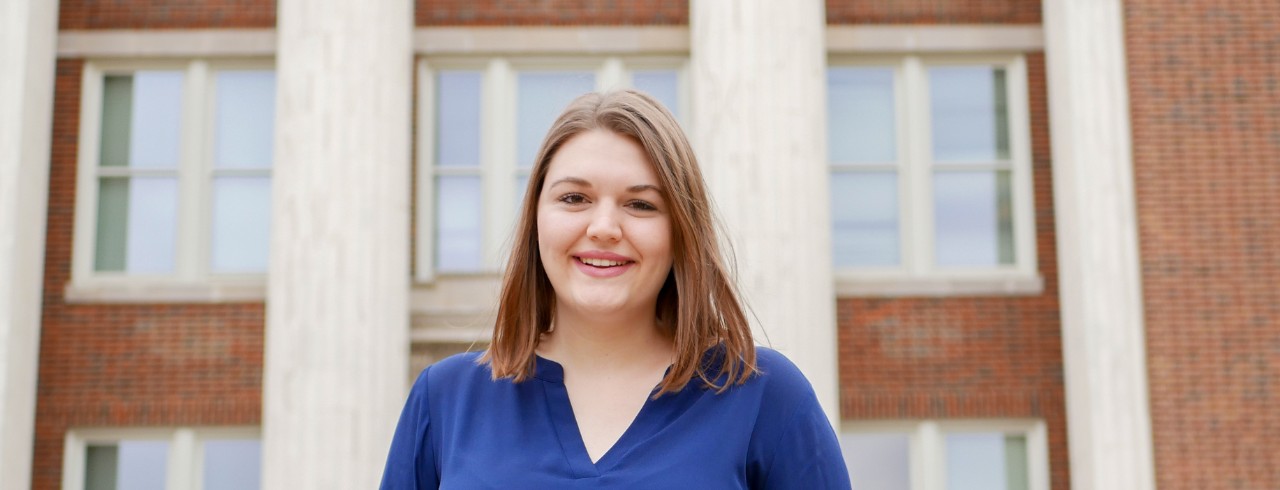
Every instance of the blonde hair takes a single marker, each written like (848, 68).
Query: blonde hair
(698, 304)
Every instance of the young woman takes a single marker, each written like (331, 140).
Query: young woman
(621, 357)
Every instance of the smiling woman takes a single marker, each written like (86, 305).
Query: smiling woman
(615, 298)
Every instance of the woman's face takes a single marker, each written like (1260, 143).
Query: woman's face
(604, 231)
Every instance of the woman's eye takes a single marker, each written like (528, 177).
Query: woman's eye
(642, 206)
(573, 199)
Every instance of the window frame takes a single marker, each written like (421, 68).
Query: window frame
(192, 278)
(498, 153)
(927, 450)
(185, 467)
(917, 274)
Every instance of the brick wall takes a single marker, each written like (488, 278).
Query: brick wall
(550, 12)
(1204, 80)
(981, 357)
(129, 365)
(166, 14)
(933, 11)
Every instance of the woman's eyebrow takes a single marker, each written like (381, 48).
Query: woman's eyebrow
(571, 180)
(644, 187)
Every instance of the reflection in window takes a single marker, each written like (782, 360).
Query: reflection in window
(973, 217)
(865, 218)
(232, 464)
(879, 461)
(986, 461)
(459, 234)
(127, 465)
(969, 113)
(540, 97)
(663, 85)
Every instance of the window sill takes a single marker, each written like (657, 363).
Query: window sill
(123, 290)
(857, 285)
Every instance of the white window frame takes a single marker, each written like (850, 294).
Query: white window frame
(917, 275)
(186, 453)
(498, 165)
(191, 279)
(927, 451)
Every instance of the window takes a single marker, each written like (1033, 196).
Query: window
(175, 459)
(930, 170)
(175, 172)
(481, 122)
(947, 455)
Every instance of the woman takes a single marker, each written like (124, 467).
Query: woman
(621, 357)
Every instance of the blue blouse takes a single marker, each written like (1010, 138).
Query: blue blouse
(462, 430)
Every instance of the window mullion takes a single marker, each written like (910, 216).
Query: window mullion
(612, 75)
(1024, 234)
(182, 474)
(917, 181)
(194, 203)
(931, 457)
(498, 159)
(425, 217)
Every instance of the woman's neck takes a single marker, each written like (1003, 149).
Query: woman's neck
(585, 341)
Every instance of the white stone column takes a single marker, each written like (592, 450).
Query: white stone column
(337, 308)
(1103, 346)
(28, 34)
(759, 128)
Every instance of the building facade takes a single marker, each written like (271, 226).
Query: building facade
(1020, 244)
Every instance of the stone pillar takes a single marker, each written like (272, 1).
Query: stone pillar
(759, 128)
(1103, 346)
(28, 34)
(337, 305)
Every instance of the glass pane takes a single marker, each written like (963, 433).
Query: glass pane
(877, 461)
(245, 119)
(156, 126)
(540, 98)
(117, 112)
(241, 224)
(137, 224)
(232, 465)
(458, 119)
(1015, 463)
(113, 225)
(969, 113)
(973, 218)
(975, 462)
(458, 224)
(100, 465)
(860, 115)
(663, 85)
(143, 465)
(864, 212)
(522, 184)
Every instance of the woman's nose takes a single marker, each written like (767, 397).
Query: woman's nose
(605, 224)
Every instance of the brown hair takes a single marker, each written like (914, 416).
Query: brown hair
(697, 305)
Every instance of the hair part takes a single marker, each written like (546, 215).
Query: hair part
(698, 304)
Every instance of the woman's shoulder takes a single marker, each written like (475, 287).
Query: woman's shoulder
(778, 377)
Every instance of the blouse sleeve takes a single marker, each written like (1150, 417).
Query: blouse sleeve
(807, 455)
(411, 461)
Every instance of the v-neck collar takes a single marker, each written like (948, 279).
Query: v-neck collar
(566, 423)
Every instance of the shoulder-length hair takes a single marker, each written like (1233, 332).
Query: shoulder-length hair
(698, 304)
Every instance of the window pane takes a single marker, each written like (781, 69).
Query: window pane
(137, 224)
(975, 462)
(973, 218)
(663, 85)
(522, 185)
(860, 115)
(540, 98)
(458, 224)
(156, 119)
(864, 211)
(100, 465)
(458, 118)
(241, 224)
(245, 119)
(879, 461)
(117, 117)
(232, 465)
(969, 116)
